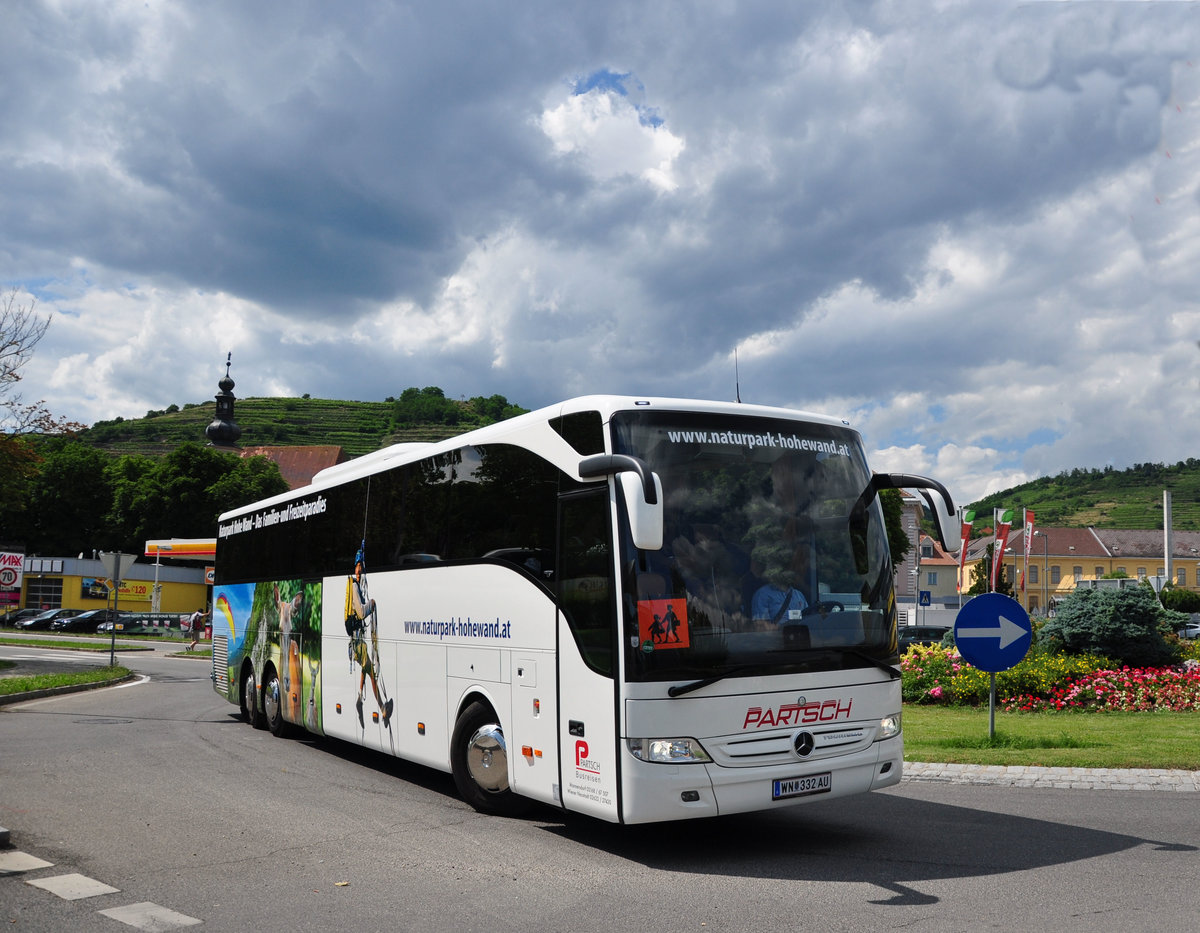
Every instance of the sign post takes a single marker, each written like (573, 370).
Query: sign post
(993, 633)
(117, 565)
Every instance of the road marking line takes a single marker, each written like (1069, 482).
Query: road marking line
(148, 916)
(73, 887)
(15, 861)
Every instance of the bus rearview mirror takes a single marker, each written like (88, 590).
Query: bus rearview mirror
(936, 497)
(641, 489)
(645, 518)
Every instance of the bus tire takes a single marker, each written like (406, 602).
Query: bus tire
(273, 705)
(479, 762)
(249, 701)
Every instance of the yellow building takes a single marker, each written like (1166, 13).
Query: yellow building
(1060, 559)
(82, 583)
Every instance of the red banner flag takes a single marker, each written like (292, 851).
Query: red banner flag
(967, 519)
(1003, 525)
(1028, 544)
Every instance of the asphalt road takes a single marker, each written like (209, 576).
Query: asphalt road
(157, 790)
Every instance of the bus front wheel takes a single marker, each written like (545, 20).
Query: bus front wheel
(479, 761)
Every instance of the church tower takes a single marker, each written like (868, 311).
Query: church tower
(224, 431)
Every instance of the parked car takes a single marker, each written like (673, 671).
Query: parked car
(13, 616)
(128, 625)
(920, 635)
(41, 622)
(1191, 630)
(89, 621)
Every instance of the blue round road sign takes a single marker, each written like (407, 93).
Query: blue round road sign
(993, 632)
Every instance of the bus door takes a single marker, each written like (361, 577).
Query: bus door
(587, 656)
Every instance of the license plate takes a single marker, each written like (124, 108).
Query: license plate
(782, 788)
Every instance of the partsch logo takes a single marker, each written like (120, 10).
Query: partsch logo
(797, 714)
(582, 761)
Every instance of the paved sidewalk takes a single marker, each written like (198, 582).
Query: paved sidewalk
(1065, 778)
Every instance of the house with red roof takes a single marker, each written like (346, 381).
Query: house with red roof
(298, 465)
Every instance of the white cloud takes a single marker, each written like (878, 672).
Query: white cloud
(972, 231)
(606, 133)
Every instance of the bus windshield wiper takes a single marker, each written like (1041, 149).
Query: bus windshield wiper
(681, 689)
(892, 672)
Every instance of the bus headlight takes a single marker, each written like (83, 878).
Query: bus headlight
(889, 726)
(668, 751)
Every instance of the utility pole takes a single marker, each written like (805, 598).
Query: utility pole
(117, 565)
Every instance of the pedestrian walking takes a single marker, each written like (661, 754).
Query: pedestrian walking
(198, 618)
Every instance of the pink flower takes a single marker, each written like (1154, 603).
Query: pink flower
(936, 693)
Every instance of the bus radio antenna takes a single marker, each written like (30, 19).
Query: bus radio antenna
(737, 382)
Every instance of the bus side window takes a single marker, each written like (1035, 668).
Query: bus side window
(585, 569)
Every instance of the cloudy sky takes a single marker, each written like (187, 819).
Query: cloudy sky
(971, 229)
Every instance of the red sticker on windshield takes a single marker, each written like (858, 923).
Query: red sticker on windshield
(663, 623)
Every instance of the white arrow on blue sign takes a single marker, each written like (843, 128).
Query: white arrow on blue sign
(993, 632)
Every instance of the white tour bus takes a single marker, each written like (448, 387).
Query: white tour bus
(639, 609)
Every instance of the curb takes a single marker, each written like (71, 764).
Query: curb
(8, 698)
(1162, 779)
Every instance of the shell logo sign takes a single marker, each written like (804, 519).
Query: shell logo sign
(182, 548)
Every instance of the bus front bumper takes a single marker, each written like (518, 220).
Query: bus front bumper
(653, 792)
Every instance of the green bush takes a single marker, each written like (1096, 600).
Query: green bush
(1129, 626)
(1181, 600)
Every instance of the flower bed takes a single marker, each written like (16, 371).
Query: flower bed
(1128, 690)
(938, 675)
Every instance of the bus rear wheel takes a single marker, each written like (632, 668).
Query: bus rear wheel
(273, 705)
(249, 693)
(479, 761)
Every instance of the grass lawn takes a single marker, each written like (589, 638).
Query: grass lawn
(10, 685)
(1053, 739)
(90, 644)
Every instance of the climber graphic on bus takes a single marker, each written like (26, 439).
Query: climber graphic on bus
(362, 627)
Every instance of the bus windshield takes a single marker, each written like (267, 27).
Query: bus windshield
(775, 555)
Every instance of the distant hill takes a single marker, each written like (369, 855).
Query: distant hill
(357, 427)
(1108, 498)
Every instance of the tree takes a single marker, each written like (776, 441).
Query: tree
(425, 406)
(181, 495)
(127, 476)
(1180, 600)
(171, 497)
(67, 507)
(20, 332)
(250, 479)
(21, 329)
(1126, 625)
(494, 408)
